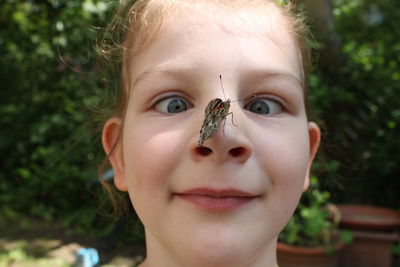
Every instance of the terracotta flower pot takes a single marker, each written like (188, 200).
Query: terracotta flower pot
(374, 235)
(293, 256)
(369, 249)
(370, 218)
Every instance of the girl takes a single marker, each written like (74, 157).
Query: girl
(225, 202)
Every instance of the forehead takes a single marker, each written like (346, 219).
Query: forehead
(207, 21)
(246, 17)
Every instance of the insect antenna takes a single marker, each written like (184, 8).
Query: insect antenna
(246, 98)
(222, 86)
(223, 91)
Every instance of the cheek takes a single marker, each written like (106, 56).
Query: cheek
(284, 157)
(150, 155)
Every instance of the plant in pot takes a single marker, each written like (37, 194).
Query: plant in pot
(311, 237)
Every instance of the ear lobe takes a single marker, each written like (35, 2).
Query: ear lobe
(315, 137)
(112, 145)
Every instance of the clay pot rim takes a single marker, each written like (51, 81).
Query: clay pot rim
(307, 250)
(348, 211)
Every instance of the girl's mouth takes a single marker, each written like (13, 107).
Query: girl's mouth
(216, 200)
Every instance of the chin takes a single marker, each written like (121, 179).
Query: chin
(220, 250)
(220, 257)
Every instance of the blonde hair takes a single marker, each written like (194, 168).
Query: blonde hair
(136, 24)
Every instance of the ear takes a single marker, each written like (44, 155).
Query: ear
(112, 144)
(315, 137)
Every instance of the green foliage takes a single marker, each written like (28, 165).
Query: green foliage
(396, 249)
(359, 104)
(312, 224)
(49, 142)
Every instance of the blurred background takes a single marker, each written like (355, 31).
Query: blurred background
(52, 98)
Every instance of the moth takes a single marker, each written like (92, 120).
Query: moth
(216, 112)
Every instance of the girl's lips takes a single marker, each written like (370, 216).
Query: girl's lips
(216, 200)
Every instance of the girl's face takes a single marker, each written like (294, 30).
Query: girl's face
(224, 204)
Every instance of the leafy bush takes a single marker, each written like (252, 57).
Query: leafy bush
(312, 224)
(359, 105)
(50, 149)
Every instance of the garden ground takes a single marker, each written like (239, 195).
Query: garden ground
(36, 243)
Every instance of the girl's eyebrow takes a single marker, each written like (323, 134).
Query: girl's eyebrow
(254, 74)
(265, 75)
(170, 71)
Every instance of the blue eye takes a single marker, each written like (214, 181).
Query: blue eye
(171, 105)
(264, 106)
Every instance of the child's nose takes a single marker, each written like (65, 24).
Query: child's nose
(228, 143)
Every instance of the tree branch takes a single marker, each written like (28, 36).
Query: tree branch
(320, 11)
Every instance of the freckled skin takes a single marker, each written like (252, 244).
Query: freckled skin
(216, 111)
